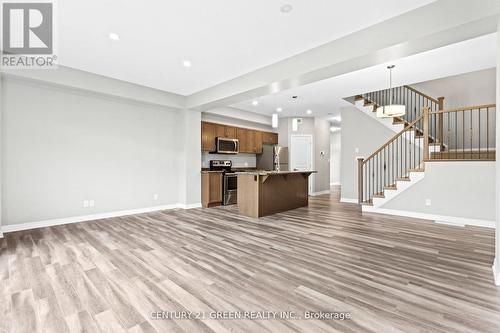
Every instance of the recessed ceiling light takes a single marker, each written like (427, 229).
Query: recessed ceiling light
(114, 36)
(186, 63)
(279, 109)
(286, 8)
(255, 103)
(309, 111)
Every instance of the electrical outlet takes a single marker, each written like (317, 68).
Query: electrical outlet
(91, 203)
(155, 197)
(85, 203)
(428, 202)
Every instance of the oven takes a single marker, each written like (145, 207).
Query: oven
(230, 188)
(227, 146)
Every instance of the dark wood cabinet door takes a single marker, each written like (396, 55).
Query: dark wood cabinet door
(220, 131)
(242, 136)
(231, 132)
(258, 142)
(251, 148)
(270, 138)
(207, 136)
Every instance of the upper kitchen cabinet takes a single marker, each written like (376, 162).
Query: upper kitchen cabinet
(242, 136)
(250, 140)
(225, 131)
(258, 142)
(208, 135)
(230, 132)
(270, 138)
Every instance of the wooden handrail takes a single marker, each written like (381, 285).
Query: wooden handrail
(422, 94)
(412, 124)
(474, 107)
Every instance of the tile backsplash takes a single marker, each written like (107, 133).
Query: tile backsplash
(239, 160)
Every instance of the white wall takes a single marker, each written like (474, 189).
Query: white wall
(64, 145)
(335, 157)
(1, 152)
(319, 128)
(359, 131)
(474, 88)
(238, 118)
(497, 200)
(321, 154)
(456, 189)
(240, 160)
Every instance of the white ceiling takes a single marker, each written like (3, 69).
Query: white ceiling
(222, 38)
(325, 97)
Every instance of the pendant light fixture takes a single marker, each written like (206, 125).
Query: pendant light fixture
(391, 110)
(274, 119)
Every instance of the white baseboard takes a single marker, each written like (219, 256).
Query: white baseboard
(189, 206)
(83, 218)
(453, 220)
(320, 193)
(496, 273)
(332, 184)
(348, 200)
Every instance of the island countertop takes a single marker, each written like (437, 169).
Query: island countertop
(267, 173)
(262, 193)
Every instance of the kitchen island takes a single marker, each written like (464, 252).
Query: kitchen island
(262, 193)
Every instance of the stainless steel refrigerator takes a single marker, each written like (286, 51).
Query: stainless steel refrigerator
(273, 157)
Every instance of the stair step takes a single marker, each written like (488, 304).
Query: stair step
(403, 179)
(358, 98)
(379, 195)
(417, 170)
(391, 187)
(459, 155)
(367, 203)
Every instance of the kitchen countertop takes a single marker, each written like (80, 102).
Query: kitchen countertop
(268, 173)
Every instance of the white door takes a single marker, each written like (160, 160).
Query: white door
(301, 155)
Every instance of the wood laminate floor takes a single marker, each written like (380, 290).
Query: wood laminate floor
(391, 274)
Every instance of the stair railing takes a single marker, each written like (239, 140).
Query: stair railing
(414, 100)
(393, 161)
(468, 133)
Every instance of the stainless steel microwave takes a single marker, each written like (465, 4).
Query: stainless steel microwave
(227, 146)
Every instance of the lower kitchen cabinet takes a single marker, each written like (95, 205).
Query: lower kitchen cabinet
(211, 188)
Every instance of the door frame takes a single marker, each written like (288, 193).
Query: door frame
(291, 161)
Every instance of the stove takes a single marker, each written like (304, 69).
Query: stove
(229, 180)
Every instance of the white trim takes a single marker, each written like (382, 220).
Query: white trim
(335, 183)
(320, 193)
(457, 221)
(190, 206)
(496, 273)
(348, 200)
(1, 234)
(83, 218)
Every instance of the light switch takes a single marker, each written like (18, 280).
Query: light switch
(91, 203)
(428, 202)
(356, 150)
(85, 203)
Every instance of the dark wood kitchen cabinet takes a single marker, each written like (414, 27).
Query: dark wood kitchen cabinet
(211, 188)
(270, 138)
(250, 140)
(208, 135)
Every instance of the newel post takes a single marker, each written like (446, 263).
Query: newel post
(360, 179)
(440, 135)
(426, 133)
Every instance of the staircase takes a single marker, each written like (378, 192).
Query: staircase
(425, 133)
